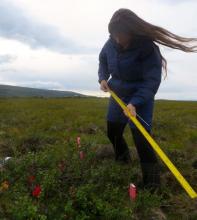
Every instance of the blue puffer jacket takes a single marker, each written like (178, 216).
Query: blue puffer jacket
(135, 76)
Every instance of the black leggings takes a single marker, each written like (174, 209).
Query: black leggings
(147, 156)
(115, 135)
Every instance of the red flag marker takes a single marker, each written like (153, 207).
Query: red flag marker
(79, 141)
(132, 191)
(81, 154)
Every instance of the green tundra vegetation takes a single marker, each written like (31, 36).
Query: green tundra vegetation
(46, 179)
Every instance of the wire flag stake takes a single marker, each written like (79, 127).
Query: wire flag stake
(156, 147)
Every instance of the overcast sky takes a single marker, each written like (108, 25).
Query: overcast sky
(54, 44)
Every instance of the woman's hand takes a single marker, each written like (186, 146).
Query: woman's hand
(104, 86)
(131, 109)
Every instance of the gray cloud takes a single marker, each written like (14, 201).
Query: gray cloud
(53, 80)
(15, 24)
(174, 2)
(41, 84)
(7, 58)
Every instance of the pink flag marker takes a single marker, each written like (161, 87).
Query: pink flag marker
(132, 191)
(82, 155)
(78, 141)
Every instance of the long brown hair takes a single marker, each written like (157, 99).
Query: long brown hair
(125, 20)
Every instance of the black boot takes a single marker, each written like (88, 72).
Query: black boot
(121, 150)
(151, 176)
(148, 160)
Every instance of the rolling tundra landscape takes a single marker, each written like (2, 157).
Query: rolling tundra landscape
(46, 177)
(71, 72)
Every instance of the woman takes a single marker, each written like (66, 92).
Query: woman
(135, 63)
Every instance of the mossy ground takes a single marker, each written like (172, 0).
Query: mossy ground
(40, 136)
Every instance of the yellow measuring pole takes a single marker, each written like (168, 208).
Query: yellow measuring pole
(156, 147)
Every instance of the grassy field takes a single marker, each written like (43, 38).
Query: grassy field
(40, 136)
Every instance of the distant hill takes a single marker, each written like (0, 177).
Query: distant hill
(18, 91)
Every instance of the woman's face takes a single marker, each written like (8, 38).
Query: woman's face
(122, 38)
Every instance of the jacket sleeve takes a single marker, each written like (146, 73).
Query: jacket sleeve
(151, 64)
(103, 73)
